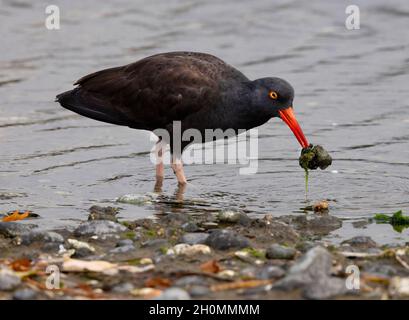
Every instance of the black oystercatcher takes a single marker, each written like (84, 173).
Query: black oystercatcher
(197, 89)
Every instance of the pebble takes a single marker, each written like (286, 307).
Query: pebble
(8, 280)
(399, 287)
(46, 237)
(311, 273)
(276, 251)
(124, 242)
(270, 272)
(125, 287)
(188, 281)
(194, 238)
(362, 242)
(137, 199)
(25, 294)
(103, 213)
(229, 216)
(198, 291)
(98, 227)
(81, 248)
(174, 294)
(155, 243)
(226, 239)
(190, 227)
(14, 229)
(188, 250)
(227, 274)
(210, 225)
(123, 249)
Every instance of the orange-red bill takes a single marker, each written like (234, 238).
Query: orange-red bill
(287, 115)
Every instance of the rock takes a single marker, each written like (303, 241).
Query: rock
(98, 227)
(8, 280)
(270, 272)
(399, 287)
(188, 250)
(227, 274)
(276, 251)
(138, 199)
(14, 229)
(45, 237)
(123, 249)
(230, 216)
(226, 239)
(174, 294)
(361, 242)
(103, 213)
(316, 224)
(155, 243)
(25, 294)
(198, 291)
(146, 261)
(124, 242)
(194, 238)
(188, 281)
(311, 274)
(209, 225)
(190, 227)
(125, 287)
(82, 249)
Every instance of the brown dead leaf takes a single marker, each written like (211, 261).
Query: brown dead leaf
(158, 283)
(15, 216)
(241, 284)
(211, 266)
(20, 265)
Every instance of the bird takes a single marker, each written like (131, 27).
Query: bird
(199, 90)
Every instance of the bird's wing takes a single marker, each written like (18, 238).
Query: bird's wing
(153, 92)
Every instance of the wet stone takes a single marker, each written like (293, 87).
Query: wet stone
(198, 291)
(276, 251)
(226, 239)
(174, 294)
(125, 287)
(155, 243)
(123, 249)
(98, 227)
(270, 272)
(190, 281)
(14, 229)
(229, 216)
(194, 238)
(46, 237)
(124, 242)
(103, 213)
(8, 280)
(362, 242)
(311, 273)
(25, 294)
(190, 227)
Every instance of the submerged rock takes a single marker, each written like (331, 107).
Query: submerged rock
(98, 227)
(312, 274)
(362, 242)
(8, 280)
(226, 239)
(103, 213)
(14, 229)
(137, 199)
(276, 251)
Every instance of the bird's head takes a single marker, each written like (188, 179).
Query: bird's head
(274, 97)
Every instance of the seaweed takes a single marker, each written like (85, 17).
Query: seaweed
(311, 158)
(398, 221)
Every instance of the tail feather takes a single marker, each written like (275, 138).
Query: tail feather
(90, 106)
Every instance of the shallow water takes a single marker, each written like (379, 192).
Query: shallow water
(351, 96)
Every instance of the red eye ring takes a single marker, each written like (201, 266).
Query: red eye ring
(273, 95)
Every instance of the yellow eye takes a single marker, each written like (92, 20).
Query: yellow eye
(273, 95)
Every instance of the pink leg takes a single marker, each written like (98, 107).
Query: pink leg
(177, 167)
